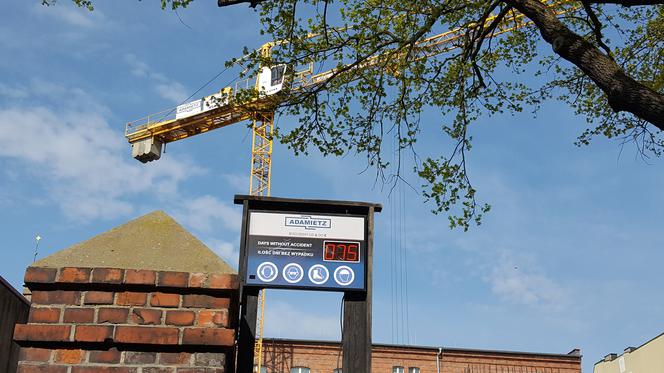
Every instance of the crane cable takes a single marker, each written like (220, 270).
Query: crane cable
(399, 289)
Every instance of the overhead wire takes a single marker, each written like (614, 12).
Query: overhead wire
(392, 262)
(404, 240)
(198, 90)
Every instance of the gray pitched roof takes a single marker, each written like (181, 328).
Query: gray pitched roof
(154, 241)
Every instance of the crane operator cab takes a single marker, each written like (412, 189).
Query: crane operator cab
(270, 81)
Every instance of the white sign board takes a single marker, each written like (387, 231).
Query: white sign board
(305, 225)
(189, 109)
(306, 251)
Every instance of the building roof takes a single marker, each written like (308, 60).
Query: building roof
(153, 242)
(576, 353)
(613, 356)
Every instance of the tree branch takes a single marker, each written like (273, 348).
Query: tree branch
(596, 26)
(623, 92)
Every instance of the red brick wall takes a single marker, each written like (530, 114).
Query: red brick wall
(127, 321)
(321, 357)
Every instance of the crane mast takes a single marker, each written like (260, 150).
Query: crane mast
(148, 135)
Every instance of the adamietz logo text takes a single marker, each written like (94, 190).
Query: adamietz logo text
(308, 222)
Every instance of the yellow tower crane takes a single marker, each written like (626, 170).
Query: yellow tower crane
(148, 135)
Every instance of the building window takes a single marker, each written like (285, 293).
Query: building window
(263, 369)
(300, 370)
(413, 370)
(398, 370)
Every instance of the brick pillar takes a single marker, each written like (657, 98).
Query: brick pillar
(85, 320)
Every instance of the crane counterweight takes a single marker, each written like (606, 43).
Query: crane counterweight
(147, 150)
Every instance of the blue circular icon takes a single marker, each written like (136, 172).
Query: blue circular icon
(267, 272)
(318, 274)
(344, 276)
(293, 273)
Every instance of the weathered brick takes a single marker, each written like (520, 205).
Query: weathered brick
(40, 275)
(107, 275)
(35, 354)
(112, 356)
(98, 297)
(103, 369)
(129, 298)
(175, 358)
(158, 370)
(204, 301)
(198, 280)
(93, 333)
(112, 315)
(74, 275)
(135, 357)
(79, 315)
(146, 335)
(208, 337)
(29, 368)
(180, 318)
(210, 359)
(213, 318)
(39, 333)
(140, 277)
(199, 370)
(165, 300)
(173, 279)
(44, 315)
(56, 297)
(146, 316)
(223, 281)
(68, 356)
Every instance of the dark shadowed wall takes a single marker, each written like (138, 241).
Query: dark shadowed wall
(14, 309)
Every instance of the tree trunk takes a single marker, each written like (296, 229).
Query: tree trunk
(623, 92)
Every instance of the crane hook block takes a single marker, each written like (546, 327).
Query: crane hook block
(147, 150)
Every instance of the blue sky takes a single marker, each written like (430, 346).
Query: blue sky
(570, 256)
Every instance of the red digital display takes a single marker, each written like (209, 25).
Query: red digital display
(341, 251)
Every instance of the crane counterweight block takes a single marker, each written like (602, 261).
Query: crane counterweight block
(147, 150)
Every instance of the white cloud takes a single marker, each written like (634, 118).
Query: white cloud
(78, 159)
(172, 91)
(138, 67)
(166, 88)
(72, 15)
(521, 281)
(240, 183)
(204, 213)
(285, 320)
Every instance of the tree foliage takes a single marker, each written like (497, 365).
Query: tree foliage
(605, 60)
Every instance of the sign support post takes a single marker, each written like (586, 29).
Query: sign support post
(308, 245)
(356, 338)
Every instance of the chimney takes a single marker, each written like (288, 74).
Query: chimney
(610, 357)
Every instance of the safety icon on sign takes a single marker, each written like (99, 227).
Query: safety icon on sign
(344, 276)
(318, 274)
(267, 272)
(293, 273)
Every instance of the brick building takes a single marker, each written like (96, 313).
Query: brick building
(296, 356)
